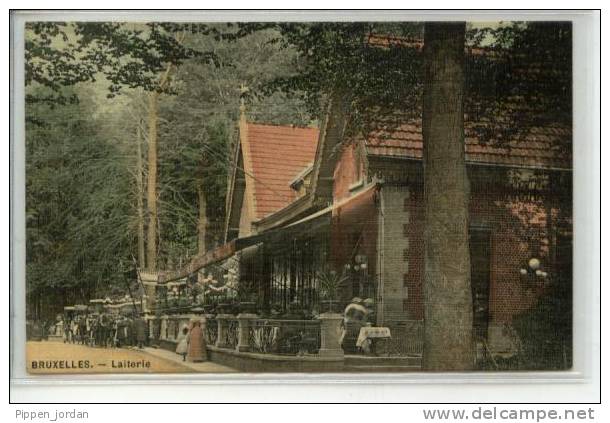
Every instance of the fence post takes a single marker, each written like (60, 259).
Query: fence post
(330, 333)
(163, 331)
(244, 319)
(222, 329)
(150, 328)
(204, 330)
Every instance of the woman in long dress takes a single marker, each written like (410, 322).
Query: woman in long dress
(196, 346)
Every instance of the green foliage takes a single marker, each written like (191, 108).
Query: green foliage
(77, 214)
(186, 164)
(81, 217)
(546, 333)
(380, 80)
(521, 79)
(126, 55)
(52, 61)
(329, 283)
(518, 75)
(81, 161)
(132, 55)
(197, 130)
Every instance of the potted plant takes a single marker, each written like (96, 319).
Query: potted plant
(183, 300)
(227, 305)
(329, 282)
(294, 311)
(247, 303)
(223, 308)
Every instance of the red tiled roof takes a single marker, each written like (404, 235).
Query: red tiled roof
(386, 41)
(540, 147)
(277, 154)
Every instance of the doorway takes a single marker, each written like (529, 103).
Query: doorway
(480, 271)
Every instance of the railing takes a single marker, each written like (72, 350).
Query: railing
(231, 334)
(249, 333)
(292, 337)
(211, 331)
(175, 329)
(155, 330)
(407, 338)
(171, 326)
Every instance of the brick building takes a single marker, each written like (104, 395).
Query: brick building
(306, 200)
(302, 199)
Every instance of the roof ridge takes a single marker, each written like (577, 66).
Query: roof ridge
(283, 126)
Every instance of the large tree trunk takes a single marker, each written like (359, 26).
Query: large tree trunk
(151, 197)
(140, 200)
(202, 222)
(448, 311)
(202, 225)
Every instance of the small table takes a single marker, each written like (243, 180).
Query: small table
(373, 334)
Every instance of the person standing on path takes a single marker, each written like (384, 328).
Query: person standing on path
(130, 336)
(141, 331)
(196, 345)
(183, 343)
(67, 336)
(82, 331)
(121, 332)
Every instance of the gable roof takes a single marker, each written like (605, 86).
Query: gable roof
(275, 156)
(543, 147)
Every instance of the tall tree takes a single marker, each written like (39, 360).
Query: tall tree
(140, 198)
(151, 187)
(447, 292)
(77, 203)
(128, 56)
(198, 129)
(202, 221)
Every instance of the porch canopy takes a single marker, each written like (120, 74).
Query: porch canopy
(199, 261)
(312, 223)
(225, 251)
(320, 220)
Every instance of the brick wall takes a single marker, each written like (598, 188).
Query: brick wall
(518, 228)
(516, 219)
(518, 232)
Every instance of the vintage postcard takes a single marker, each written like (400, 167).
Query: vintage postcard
(298, 196)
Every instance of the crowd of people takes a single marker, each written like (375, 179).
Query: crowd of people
(105, 330)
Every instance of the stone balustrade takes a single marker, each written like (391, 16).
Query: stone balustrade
(248, 332)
